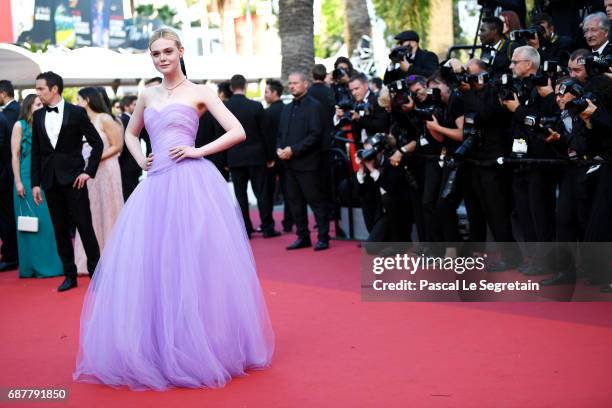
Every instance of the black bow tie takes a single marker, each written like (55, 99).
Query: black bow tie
(50, 109)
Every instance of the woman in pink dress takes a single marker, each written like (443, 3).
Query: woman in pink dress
(175, 300)
(105, 191)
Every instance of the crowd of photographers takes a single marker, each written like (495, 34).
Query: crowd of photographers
(521, 134)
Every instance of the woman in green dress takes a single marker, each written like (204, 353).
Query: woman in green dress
(38, 255)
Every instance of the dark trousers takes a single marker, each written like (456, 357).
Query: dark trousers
(281, 187)
(129, 181)
(491, 187)
(598, 257)
(304, 189)
(8, 227)
(535, 202)
(432, 179)
(257, 176)
(574, 204)
(70, 206)
(395, 221)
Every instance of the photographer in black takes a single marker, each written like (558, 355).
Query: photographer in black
(598, 118)
(448, 129)
(555, 47)
(576, 65)
(576, 185)
(381, 188)
(497, 50)
(534, 186)
(421, 62)
(487, 126)
(343, 71)
(366, 115)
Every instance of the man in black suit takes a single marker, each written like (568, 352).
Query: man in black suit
(596, 28)
(299, 146)
(59, 169)
(271, 119)
(209, 130)
(374, 119)
(247, 160)
(555, 47)
(498, 50)
(8, 105)
(423, 62)
(8, 230)
(130, 170)
(325, 96)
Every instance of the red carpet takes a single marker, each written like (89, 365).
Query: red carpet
(335, 351)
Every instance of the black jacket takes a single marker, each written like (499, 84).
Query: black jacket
(270, 122)
(64, 163)
(208, 131)
(376, 121)
(11, 113)
(126, 160)
(558, 49)
(252, 151)
(425, 63)
(325, 96)
(300, 127)
(6, 170)
(503, 56)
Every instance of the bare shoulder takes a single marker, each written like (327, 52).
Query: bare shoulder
(205, 92)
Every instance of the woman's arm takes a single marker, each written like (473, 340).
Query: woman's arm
(114, 133)
(15, 153)
(234, 131)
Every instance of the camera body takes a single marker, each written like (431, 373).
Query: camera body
(549, 70)
(471, 135)
(541, 125)
(579, 104)
(507, 86)
(379, 143)
(596, 65)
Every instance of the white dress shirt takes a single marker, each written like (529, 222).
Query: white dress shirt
(600, 49)
(53, 122)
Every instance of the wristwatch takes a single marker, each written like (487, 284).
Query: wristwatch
(403, 150)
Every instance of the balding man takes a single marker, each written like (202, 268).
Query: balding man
(299, 147)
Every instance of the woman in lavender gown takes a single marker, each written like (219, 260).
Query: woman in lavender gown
(175, 300)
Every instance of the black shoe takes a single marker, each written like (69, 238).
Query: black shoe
(559, 279)
(299, 243)
(606, 289)
(321, 245)
(287, 229)
(8, 266)
(68, 283)
(271, 234)
(501, 266)
(534, 271)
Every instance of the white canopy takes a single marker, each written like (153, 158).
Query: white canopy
(101, 66)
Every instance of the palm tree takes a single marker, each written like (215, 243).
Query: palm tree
(356, 23)
(297, 38)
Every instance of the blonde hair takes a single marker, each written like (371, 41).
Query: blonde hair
(384, 97)
(166, 33)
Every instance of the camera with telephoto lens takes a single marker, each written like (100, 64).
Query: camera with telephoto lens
(507, 86)
(597, 65)
(400, 53)
(338, 74)
(579, 105)
(541, 125)
(471, 135)
(378, 143)
(525, 34)
(433, 106)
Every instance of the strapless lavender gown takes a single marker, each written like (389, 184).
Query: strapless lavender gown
(175, 300)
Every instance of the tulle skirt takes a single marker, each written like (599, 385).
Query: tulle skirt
(175, 300)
